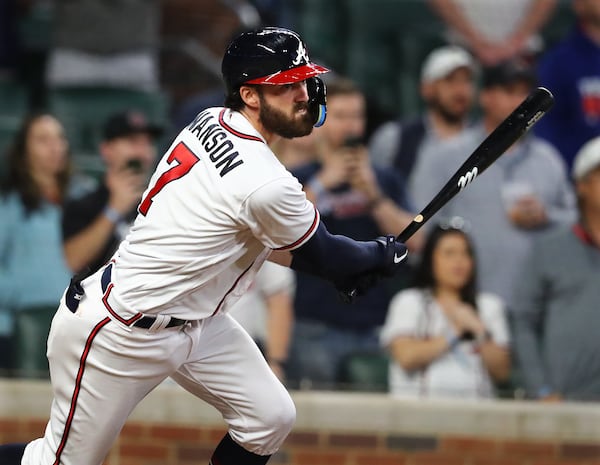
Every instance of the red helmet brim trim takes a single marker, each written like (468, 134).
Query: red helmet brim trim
(291, 75)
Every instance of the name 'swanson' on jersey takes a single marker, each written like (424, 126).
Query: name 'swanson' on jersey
(221, 154)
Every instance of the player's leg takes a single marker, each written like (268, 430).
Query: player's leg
(227, 370)
(100, 371)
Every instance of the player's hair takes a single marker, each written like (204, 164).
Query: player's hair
(18, 175)
(424, 277)
(234, 101)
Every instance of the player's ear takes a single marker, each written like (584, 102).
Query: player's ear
(249, 95)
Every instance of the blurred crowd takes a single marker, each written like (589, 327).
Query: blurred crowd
(500, 295)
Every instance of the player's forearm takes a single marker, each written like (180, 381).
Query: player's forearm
(83, 248)
(496, 360)
(333, 256)
(414, 354)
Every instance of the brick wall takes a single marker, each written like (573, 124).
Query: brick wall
(156, 444)
(172, 428)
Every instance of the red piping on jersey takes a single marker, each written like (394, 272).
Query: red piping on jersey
(131, 320)
(231, 289)
(313, 226)
(77, 390)
(234, 132)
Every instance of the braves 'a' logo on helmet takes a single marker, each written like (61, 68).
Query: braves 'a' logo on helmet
(301, 55)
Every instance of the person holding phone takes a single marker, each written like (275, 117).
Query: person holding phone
(94, 225)
(358, 200)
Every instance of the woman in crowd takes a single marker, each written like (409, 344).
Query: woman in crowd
(33, 271)
(445, 338)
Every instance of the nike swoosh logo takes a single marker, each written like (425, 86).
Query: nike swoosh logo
(398, 259)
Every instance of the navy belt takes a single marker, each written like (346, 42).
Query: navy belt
(75, 293)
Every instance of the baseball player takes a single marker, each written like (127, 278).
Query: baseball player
(218, 205)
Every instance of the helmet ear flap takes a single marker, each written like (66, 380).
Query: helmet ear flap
(317, 100)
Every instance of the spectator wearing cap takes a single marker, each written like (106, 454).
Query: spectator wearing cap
(555, 311)
(448, 89)
(571, 70)
(525, 192)
(94, 225)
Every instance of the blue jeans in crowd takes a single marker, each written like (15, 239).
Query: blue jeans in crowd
(318, 352)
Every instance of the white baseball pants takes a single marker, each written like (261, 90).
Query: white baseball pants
(101, 369)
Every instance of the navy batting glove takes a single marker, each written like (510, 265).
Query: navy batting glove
(394, 253)
(353, 286)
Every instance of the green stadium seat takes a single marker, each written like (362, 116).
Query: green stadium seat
(31, 332)
(83, 111)
(13, 98)
(559, 24)
(386, 47)
(365, 371)
(9, 125)
(13, 108)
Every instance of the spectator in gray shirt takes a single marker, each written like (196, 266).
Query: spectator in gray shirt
(556, 307)
(448, 89)
(525, 192)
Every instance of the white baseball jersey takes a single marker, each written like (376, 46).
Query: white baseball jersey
(217, 204)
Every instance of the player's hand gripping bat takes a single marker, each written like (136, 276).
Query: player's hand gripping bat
(536, 105)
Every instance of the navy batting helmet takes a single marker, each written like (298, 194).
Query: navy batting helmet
(275, 56)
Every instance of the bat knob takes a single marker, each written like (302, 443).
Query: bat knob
(348, 296)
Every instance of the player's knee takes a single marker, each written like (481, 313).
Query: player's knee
(279, 419)
(272, 426)
(283, 419)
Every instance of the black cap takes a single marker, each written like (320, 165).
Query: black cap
(507, 73)
(129, 122)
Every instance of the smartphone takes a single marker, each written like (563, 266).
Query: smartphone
(135, 165)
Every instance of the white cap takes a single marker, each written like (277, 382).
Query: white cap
(443, 61)
(587, 159)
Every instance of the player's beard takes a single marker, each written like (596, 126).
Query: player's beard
(277, 122)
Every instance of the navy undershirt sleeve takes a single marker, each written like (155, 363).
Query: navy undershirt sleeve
(334, 257)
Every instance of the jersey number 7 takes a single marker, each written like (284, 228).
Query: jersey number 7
(185, 159)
